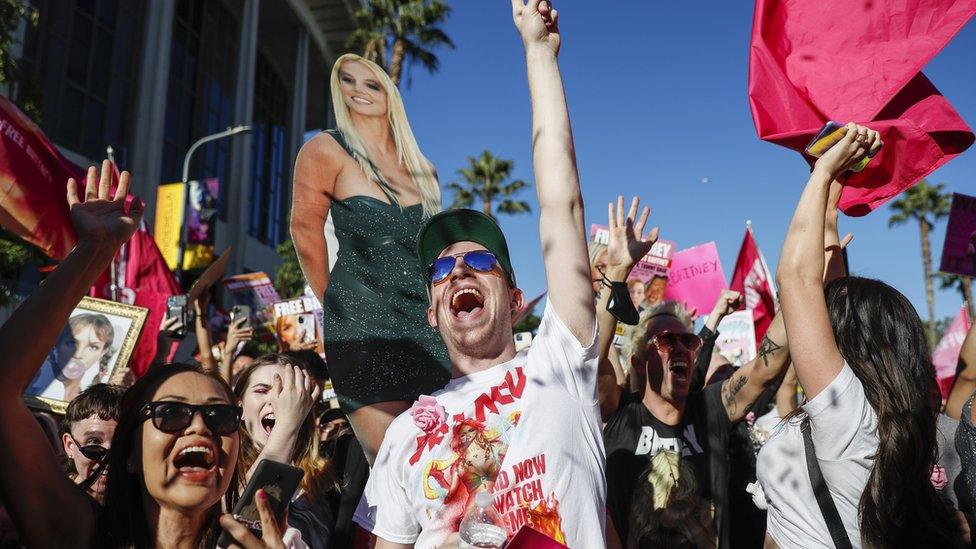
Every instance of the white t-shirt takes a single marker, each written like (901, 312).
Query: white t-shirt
(528, 430)
(844, 429)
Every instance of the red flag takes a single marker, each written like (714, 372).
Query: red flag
(859, 62)
(33, 184)
(946, 354)
(752, 278)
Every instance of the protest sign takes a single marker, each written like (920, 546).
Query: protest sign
(257, 292)
(737, 337)
(946, 354)
(298, 325)
(655, 263)
(959, 248)
(696, 278)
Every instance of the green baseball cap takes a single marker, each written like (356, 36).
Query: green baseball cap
(448, 227)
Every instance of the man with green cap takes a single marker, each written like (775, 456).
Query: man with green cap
(523, 427)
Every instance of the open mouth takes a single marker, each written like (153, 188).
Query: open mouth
(679, 369)
(195, 460)
(361, 101)
(268, 423)
(467, 303)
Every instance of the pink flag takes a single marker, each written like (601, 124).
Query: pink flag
(946, 354)
(811, 62)
(751, 277)
(696, 278)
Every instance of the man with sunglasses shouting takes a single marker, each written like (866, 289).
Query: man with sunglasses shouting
(86, 433)
(668, 448)
(523, 427)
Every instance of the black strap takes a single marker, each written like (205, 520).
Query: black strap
(826, 503)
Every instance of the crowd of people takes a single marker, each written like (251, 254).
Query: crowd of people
(834, 435)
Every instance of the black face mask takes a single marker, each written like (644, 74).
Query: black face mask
(620, 304)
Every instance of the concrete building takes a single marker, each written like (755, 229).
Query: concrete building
(150, 77)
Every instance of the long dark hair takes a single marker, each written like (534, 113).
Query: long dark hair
(122, 523)
(879, 334)
(318, 479)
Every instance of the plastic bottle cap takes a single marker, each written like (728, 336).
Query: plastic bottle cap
(483, 499)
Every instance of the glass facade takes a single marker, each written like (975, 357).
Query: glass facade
(269, 186)
(200, 95)
(84, 54)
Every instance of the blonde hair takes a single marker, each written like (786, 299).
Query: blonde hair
(408, 152)
(667, 510)
(636, 344)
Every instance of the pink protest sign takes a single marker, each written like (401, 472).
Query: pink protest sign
(655, 263)
(959, 249)
(696, 277)
(946, 353)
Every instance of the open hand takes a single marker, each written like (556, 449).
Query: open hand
(538, 23)
(98, 219)
(625, 246)
(293, 393)
(271, 530)
(238, 332)
(858, 142)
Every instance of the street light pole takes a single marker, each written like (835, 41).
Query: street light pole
(181, 251)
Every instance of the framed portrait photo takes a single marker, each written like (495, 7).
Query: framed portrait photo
(94, 347)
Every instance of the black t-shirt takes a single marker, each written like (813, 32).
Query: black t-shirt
(633, 436)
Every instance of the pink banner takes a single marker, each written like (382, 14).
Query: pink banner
(946, 353)
(696, 278)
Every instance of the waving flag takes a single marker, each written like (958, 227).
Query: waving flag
(946, 354)
(752, 278)
(859, 61)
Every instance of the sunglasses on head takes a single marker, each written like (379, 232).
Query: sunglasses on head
(173, 417)
(482, 261)
(668, 341)
(94, 452)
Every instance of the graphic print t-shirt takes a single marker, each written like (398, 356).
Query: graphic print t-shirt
(527, 430)
(633, 436)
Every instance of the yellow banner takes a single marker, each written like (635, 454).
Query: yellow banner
(169, 215)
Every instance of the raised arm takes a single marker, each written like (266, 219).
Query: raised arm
(624, 249)
(728, 301)
(202, 326)
(31, 481)
(965, 382)
(561, 229)
(801, 266)
(316, 170)
(741, 391)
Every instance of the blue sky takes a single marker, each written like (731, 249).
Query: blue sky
(657, 95)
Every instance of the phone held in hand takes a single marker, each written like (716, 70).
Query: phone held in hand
(279, 481)
(241, 311)
(830, 135)
(176, 307)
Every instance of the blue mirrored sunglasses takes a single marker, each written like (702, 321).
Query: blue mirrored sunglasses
(479, 260)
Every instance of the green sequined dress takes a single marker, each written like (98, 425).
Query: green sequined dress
(378, 344)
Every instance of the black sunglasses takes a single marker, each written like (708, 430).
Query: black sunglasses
(480, 260)
(173, 417)
(94, 452)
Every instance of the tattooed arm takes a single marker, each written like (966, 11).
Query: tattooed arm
(741, 391)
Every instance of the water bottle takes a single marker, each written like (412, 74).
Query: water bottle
(483, 527)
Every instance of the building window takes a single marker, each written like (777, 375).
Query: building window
(84, 54)
(269, 188)
(200, 95)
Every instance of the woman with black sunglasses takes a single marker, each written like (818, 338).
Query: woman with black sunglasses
(175, 449)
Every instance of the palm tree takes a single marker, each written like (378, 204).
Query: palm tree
(396, 32)
(965, 286)
(484, 179)
(924, 203)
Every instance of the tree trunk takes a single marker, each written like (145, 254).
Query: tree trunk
(486, 206)
(396, 61)
(924, 228)
(967, 294)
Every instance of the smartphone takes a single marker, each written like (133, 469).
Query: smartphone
(176, 308)
(830, 135)
(306, 328)
(241, 311)
(279, 482)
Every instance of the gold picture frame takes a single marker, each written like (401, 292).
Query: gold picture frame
(95, 346)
